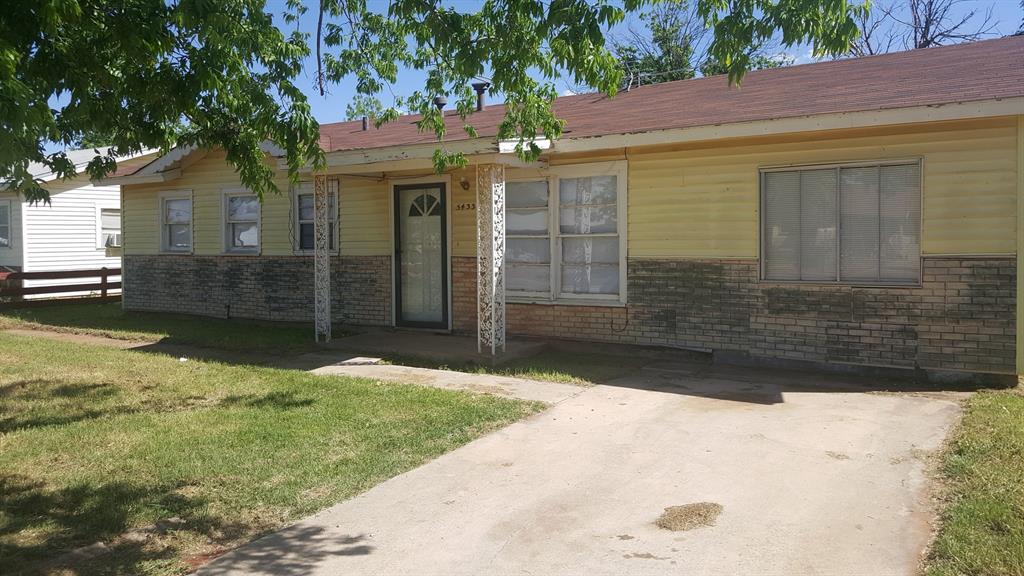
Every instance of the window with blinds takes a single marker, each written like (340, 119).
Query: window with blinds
(852, 224)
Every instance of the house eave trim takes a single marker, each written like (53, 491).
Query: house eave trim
(865, 119)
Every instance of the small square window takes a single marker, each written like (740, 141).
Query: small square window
(110, 228)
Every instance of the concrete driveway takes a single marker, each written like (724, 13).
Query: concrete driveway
(831, 480)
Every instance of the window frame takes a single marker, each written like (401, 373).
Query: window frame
(838, 166)
(225, 225)
(307, 188)
(99, 227)
(163, 197)
(10, 222)
(617, 168)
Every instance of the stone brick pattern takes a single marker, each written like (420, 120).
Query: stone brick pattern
(961, 317)
(259, 287)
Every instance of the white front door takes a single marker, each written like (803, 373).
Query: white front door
(421, 251)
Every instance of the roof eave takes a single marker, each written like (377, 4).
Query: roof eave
(793, 125)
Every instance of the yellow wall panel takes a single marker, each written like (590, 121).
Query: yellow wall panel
(688, 201)
(702, 201)
(365, 223)
(463, 212)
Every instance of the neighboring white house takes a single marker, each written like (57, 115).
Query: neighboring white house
(80, 229)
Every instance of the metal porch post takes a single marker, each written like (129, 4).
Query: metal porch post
(490, 259)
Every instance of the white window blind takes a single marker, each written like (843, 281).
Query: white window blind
(527, 238)
(853, 224)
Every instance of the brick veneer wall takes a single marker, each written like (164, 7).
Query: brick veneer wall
(260, 287)
(961, 317)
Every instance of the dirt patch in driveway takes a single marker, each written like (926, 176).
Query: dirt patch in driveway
(689, 516)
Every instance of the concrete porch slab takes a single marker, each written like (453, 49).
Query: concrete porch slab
(440, 346)
(523, 389)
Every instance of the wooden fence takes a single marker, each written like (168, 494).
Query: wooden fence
(12, 289)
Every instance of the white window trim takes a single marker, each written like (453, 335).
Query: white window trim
(308, 188)
(619, 169)
(919, 161)
(162, 198)
(226, 247)
(10, 222)
(99, 226)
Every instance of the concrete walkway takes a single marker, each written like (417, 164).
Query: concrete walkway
(341, 364)
(828, 481)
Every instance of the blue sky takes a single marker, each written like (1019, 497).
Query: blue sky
(331, 107)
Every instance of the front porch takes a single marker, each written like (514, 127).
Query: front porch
(422, 247)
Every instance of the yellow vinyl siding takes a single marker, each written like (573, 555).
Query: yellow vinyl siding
(365, 222)
(685, 201)
(702, 201)
(463, 218)
(140, 232)
(207, 178)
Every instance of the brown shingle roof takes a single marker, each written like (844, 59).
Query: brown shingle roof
(985, 70)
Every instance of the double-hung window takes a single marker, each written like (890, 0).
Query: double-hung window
(565, 234)
(241, 222)
(176, 222)
(858, 224)
(108, 228)
(5, 224)
(305, 216)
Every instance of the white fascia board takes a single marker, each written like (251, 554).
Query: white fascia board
(159, 177)
(910, 115)
(425, 151)
(509, 146)
(79, 168)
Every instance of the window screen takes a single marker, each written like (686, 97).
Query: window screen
(242, 223)
(177, 224)
(528, 242)
(847, 224)
(5, 224)
(588, 227)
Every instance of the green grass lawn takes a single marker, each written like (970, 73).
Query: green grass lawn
(96, 441)
(982, 531)
(107, 319)
(549, 366)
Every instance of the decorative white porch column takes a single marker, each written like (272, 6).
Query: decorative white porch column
(321, 259)
(490, 258)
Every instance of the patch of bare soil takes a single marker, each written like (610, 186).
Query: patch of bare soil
(689, 516)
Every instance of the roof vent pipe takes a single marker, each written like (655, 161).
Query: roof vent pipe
(481, 90)
(366, 123)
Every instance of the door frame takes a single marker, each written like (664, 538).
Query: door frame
(395, 186)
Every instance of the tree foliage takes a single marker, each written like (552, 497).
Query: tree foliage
(362, 105)
(223, 73)
(674, 46)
